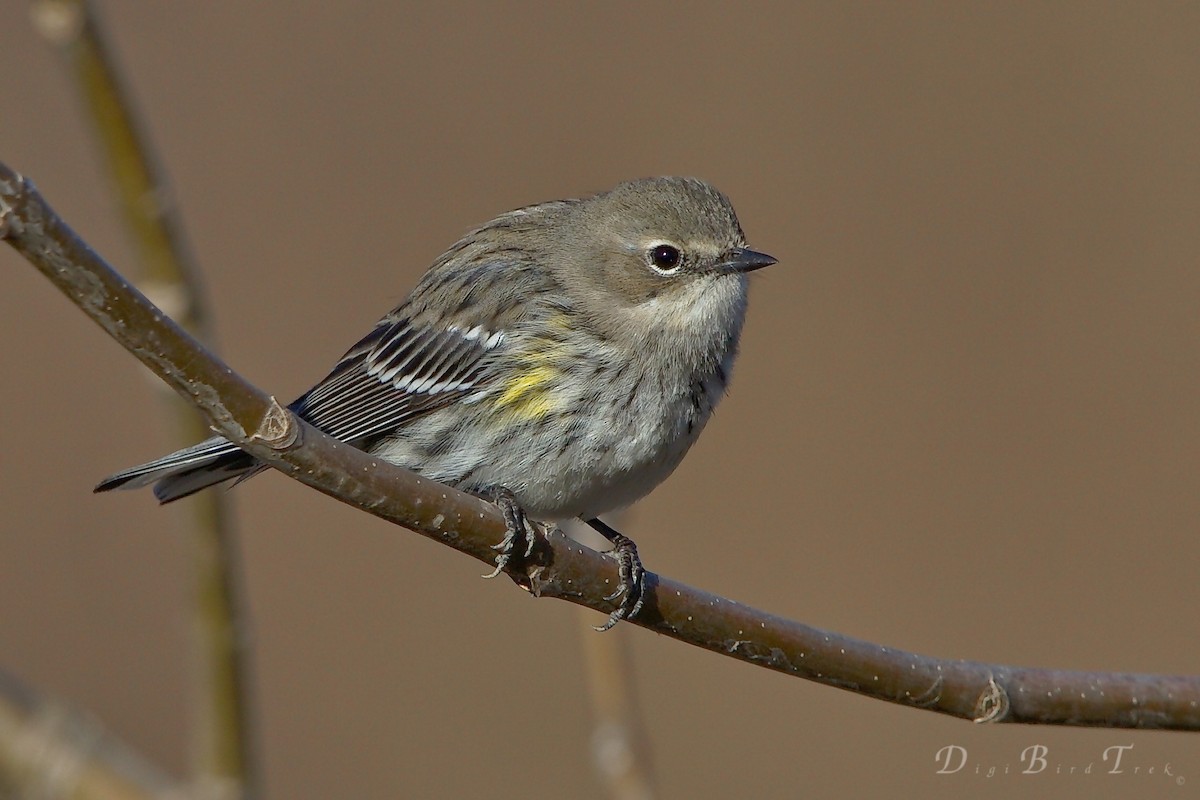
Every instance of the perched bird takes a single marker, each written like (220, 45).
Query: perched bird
(560, 359)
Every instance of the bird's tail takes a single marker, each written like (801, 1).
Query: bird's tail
(186, 471)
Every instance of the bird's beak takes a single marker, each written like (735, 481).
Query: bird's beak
(741, 259)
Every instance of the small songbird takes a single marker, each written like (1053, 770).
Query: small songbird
(560, 359)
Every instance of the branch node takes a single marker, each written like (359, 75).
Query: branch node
(992, 705)
(58, 22)
(931, 696)
(10, 224)
(278, 428)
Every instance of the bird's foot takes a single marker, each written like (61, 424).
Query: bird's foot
(519, 534)
(631, 576)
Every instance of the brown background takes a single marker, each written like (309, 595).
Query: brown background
(966, 421)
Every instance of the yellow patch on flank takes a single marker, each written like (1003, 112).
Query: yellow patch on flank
(560, 322)
(528, 395)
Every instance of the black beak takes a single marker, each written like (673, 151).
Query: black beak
(741, 259)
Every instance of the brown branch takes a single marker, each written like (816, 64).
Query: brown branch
(620, 746)
(221, 729)
(258, 424)
(48, 750)
(621, 752)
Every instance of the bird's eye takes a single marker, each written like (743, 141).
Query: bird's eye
(664, 258)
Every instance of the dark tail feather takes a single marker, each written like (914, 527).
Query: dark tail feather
(187, 471)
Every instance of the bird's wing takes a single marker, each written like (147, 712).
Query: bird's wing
(399, 371)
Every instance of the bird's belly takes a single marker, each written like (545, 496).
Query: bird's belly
(561, 494)
(611, 460)
(596, 457)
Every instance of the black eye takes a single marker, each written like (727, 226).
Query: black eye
(665, 257)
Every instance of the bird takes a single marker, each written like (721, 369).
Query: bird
(559, 360)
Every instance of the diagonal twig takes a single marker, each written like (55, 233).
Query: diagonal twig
(49, 750)
(221, 725)
(258, 424)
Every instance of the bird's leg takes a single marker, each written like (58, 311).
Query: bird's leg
(518, 530)
(631, 576)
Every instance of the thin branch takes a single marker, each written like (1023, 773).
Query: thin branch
(620, 744)
(48, 750)
(560, 568)
(146, 199)
(221, 729)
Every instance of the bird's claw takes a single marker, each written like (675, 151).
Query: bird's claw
(631, 580)
(517, 528)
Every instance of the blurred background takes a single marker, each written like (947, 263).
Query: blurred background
(966, 420)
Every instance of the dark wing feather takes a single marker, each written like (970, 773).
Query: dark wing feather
(399, 371)
(396, 373)
(427, 354)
